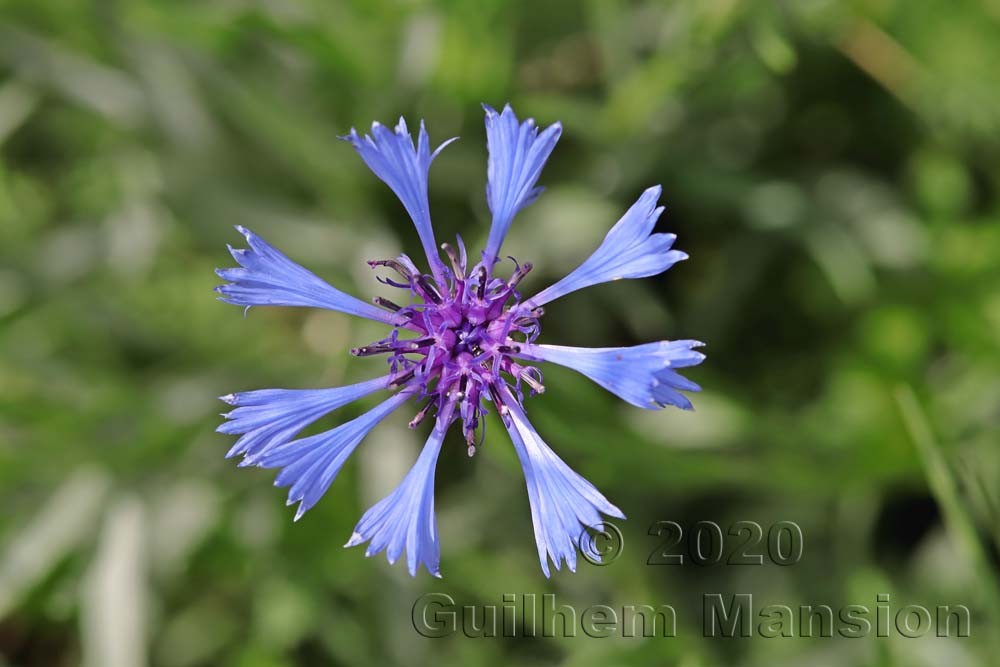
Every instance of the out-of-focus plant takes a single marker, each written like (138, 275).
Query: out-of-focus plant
(834, 167)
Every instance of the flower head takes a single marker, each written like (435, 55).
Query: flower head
(462, 343)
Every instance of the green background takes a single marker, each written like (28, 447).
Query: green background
(832, 168)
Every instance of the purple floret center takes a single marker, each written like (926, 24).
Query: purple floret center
(456, 340)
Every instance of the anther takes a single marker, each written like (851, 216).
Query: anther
(456, 264)
(481, 287)
(430, 290)
(419, 417)
(385, 303)
(404, 377)
(417, 343)
(497, 401)
(393, 264)
(535, 385)
(519, 275)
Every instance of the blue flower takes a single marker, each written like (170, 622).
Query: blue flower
(310, 464)
(517, 154)
(562, 502)
(630, 250)
(268, 278)
(404, 520)
(643, 375)
(403, 167)
(468, 348)
(269, 418)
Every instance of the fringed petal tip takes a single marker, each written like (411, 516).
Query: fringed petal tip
(629, 250)
(563, 503)
(266, 419)
(379, 133)
(308, 466)
(517, 153)
(403, 521)
(403, 166)
(507, 114)
(350, 137)
(266, 277)
(302, 508)
(667, 385)
(679, 255)
(392, 556)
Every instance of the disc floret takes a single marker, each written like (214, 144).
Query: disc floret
(454, 343)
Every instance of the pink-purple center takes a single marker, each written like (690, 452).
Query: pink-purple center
(461, 332)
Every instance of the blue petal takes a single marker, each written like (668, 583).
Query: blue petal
(309, 465)
(630, 250)
(404, 520)
(517, 154)
(563, 503)
(269, 278)
(403, 167)
(268, 418)
(643, 375)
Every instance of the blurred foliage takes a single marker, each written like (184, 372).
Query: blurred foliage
(832, 168)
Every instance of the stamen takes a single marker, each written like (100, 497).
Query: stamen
(457, 390)
(535, 385)
(416, 343)
(368, 350)
(429, 291)
(498, 401)
(384, 346)
(481, 287)
(406, 376)
(385, 303)
(419, 417)
(456, 264)
(462, 254)
(393, 264)
(519, 275)
(391, 283)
